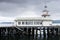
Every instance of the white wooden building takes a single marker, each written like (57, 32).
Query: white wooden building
(44, 20)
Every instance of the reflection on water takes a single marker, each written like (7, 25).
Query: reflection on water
(26, 37)
(33, 34)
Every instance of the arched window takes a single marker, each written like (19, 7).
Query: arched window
(19, 23)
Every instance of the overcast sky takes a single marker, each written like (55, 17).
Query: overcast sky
(10, 9)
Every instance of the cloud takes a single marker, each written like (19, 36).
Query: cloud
(6, 19)
(13, 1)
(17, 8)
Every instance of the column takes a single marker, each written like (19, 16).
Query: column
(0, 32)
(29, 31)
(6, 32)
(52, 31)
(40, 31)
(25, 30)
(56, 29)
(36, 33)
(48, 32)
(44, 32)
(33, 33)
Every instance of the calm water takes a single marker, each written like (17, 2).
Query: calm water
(26, 37)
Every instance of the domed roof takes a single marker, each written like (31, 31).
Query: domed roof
(45, 11)
(45, 14)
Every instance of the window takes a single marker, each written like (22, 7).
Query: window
(19, 23)
(22, 22)
(37, 22)
(29, 22)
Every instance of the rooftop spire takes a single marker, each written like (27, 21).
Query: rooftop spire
(45, 11)
(45, 4)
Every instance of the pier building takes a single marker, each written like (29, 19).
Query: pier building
(31, 26)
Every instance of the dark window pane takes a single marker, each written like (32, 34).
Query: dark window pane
(22, 22)
(19, 23)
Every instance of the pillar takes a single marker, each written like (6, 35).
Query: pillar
(6, 32)
(52, 31)
(0, 32)
(36, 33)
(29, 31)
(25, 30)
(40, 31)
(44, 32)
(48, 32)
(33, 33)
(56, 29)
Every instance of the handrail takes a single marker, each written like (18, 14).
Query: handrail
(21, 30)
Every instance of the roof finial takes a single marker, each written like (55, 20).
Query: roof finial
(45, 4)
(45, 11)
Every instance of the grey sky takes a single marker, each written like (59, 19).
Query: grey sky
(16, 8)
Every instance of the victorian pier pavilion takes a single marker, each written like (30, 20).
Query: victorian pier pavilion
(32, 26)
